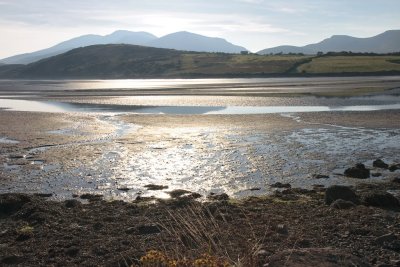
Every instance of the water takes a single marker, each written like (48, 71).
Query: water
(198, 158)
(60, 107)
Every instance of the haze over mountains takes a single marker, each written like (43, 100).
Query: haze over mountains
(180, 41)
(387, 42)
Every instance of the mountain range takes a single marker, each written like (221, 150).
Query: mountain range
(180, 41)
(387, 42)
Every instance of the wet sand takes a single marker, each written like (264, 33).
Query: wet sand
(242, 155)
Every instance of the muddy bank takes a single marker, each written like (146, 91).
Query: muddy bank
(254, 231)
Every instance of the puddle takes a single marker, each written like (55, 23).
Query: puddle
(5, 140)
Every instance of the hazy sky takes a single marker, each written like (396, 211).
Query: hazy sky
(27, 25)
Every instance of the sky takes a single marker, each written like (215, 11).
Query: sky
(27, 25)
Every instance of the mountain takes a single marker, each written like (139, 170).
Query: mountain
(386, 42)
(137, 38)
(194, 42)
(179, 41)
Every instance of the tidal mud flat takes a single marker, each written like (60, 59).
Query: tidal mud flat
(122, 156)
(133, 181)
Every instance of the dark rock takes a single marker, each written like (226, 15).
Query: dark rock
(282, 229)
(304, 243)
(393, 245)
(320, 176)
(376, 174)
(156, 187)
(178, 193)
(13, 259)
(17, 156)
(91, 197)
(148, 229)
(97, 226)
(43, 195)
(124, 189)
(71, 203)
(11, 203)
(322, 257)
(72, 252)
(281, 185)
(24, 236)
(100, 250)
(394, 167)
(396, 180)
(255, 189)
(381, 199)
(341, 204)
(359, 171)
(380, 164)
(218, 197)
(335, 192)
(385, 238)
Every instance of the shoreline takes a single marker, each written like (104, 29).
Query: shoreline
(295, 222)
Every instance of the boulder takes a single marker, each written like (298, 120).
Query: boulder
(11, 203)
(381, 199)
(218, 197)
(359, 171)
(281, 185)
(335, 192)
(341, 204)
(394, 167)
(380, 164)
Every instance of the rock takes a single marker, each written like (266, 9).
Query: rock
(322, 257)
(72, 252)
(341, 204)
(396, 180)
(44, 195)
(376, 174)
(13, 259)
(178, 193)
(71, 203)
(11, 203)
(359, 171)
(393, 245)
(281, 185)
(156, 187)
(91, 197)
(148, 229)
(381, 199)
(385, 238)
(394, 167)
(24, 236)
(123, 189)
(335, 192)
(218, 197)
(320, 176)
(282, 229)
(380, 164)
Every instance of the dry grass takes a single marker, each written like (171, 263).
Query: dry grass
(339, 64)
(204, 236)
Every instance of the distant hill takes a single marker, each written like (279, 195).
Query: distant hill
(131, 61)
(194, 42)
(386, 42)
(120, 61)
(180, 41)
